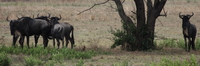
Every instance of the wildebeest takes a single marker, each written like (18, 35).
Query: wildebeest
(27, 26)
(15, 34)
(43, 18)
(61, 30)
(189, 31)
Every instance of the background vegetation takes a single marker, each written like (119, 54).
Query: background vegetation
(92, 30)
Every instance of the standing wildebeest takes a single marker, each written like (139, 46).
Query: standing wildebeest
(43, 18)
(15, 34)
(189, 31)
(28, 27)
(61, 30)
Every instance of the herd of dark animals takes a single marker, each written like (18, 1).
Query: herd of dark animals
(49, 28)
(46, 26)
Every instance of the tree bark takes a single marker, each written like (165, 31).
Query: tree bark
(129, 23)
(145, 26)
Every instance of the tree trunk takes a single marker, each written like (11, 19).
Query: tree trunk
(145, 28)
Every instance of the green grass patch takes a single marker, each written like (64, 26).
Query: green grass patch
(39, 55)
(177, 43)
(167, 62)
(4, 59)
(32, 61)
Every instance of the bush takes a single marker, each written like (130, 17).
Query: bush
(4, 60)
(123, 38)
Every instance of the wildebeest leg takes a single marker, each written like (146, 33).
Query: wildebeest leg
(27, 37)
(54, 42)
(62, 43)
(21, 41)
(36, 39)
(185, 44)
(58, 42)
(189, 44)
(72, 42)
(45, 41)
(67, 42)
(15, 40)
(193, 45)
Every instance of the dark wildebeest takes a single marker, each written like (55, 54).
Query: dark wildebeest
(189, 31)
(43, 18)
(27, 26)
(61, 30)
(15, 34)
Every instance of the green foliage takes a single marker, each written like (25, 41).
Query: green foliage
(169, 43)
(38, 55)
(167, 62)
(50, 63)
(197, 43)
(124, 63)
(130, 40)
(177, 43)
(32, 61)
(122, 37)
(4, 59)
(181, 44)
(80, 62)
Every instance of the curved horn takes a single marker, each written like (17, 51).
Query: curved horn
(49, 15)
(17, 16)
(60, 17)
(192, 14)
(181, 16)
(179, 13)
(38, 14)
(7, 19)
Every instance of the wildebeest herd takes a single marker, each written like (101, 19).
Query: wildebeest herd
(49, 28)
(46, 26)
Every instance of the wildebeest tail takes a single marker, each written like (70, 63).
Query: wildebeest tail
(72, 35)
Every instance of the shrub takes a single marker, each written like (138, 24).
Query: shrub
(4, 60)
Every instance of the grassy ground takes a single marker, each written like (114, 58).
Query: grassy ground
(92, 27)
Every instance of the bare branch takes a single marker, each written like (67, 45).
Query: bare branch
(123, 1)
(133, 12)
(165, 13)
(93, 7)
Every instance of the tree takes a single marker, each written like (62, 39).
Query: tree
(143, 30)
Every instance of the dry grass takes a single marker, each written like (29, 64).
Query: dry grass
(92, 27)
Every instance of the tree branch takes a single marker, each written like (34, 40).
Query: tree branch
(160, 7)
(93, 7)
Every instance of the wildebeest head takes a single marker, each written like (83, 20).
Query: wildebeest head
(44, 17)
(185, 20)
(55, 20)
(12, 22)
